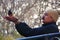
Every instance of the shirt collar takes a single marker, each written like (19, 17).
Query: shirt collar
(49, 23)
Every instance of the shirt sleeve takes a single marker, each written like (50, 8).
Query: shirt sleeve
(25, 30)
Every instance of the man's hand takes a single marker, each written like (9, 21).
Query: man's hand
(12, 19)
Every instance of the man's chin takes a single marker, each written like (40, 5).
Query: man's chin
(44, 22)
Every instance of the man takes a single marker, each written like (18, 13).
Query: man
(49, 19)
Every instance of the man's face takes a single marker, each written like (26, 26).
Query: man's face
(47, 18)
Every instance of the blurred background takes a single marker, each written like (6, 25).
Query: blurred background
(29, 11)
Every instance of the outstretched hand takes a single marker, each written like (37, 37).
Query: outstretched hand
(11, 18)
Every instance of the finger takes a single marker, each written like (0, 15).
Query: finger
(5, 17)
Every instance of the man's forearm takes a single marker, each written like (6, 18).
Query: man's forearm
(17, 22)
